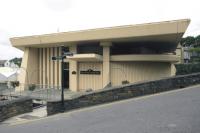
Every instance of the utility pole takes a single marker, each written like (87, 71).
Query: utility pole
(62, 77)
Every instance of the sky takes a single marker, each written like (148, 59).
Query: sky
(33, 17)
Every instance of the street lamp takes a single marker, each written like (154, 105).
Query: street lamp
(62, 57)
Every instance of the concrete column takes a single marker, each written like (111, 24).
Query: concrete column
(48, 68)
(40, 66)
(106, 63)
(56, 68)
(29, 69)
(44, 67)
(73, 67)
(173, 70)
(52, 67)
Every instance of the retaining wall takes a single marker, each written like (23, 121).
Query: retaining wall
(124, 92)
(10, 108)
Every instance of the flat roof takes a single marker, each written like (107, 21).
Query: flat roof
(166, 31)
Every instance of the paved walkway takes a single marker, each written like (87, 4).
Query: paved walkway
(35, 115)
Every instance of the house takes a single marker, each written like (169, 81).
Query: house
(102, 57)
(10, 64)
(8, 74)
(2, 63)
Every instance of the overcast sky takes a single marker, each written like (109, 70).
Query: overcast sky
(30, 17)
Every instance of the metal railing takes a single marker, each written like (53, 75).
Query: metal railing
(35, 91)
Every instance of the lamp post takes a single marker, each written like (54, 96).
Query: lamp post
(62, 57)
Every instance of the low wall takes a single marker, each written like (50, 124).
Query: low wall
(182, 69)
(10, 108)
(123, 92)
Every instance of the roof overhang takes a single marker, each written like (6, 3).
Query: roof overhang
(85, 57)
(167, 31)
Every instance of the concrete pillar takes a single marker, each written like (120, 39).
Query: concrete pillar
(173, 70)
(29, 69)
(40, 66)
(48, 67)
(52, 67)
(73, 67)
(56, 68)
(106, 63)
(44, 67)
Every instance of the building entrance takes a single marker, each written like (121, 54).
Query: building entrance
(66, 75)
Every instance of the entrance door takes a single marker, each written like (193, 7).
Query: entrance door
(66, 75)
(90, 75)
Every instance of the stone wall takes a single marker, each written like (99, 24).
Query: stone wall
(124, 92)
(13, 107)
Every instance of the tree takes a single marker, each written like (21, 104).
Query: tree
(197, 41)
(16, 61)
(188, 41)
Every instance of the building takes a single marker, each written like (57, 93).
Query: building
(10, 64)
(2, 63)
(8, 74)
(102, 57)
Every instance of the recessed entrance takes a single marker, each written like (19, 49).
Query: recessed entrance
(66, 75)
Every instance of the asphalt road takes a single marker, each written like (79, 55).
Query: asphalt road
(171, 112)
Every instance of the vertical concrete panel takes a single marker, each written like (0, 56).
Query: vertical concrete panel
(56, 68)
(51, 67)
(40, 66)
(44, 67)
(48, 67)
(138, 71)
(90, 81)
(29, 68)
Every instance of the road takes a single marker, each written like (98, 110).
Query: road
(170, 112)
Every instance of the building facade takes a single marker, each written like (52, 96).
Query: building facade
(102, 57)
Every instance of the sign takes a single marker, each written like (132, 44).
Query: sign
(57, 58)
(90, 71)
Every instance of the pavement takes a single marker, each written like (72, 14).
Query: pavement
(175, 111)
(27, 117)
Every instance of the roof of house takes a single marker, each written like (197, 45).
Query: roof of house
(7, 74)
(2, 62)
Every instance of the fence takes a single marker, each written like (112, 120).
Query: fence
(42, 92)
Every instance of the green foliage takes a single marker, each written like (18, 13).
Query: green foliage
(188, 41)
(197, 49)
(197, 41)
(16, 61)
(191, 41)
(182, 69)
(32, 87)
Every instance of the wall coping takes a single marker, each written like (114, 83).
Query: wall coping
(14, 100)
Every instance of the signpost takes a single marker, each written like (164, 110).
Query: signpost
(58, 58)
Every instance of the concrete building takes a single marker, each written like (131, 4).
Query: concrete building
(102, 57)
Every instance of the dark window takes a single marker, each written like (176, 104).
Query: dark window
(141, 48)
(90, 48)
